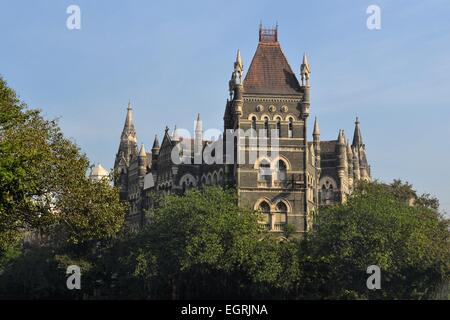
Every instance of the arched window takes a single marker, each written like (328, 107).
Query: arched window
(214, 179)
(291, 128)
(264, 207)
(280, 216)
(254, 123)
(279, 127)
(266, 126)
(265, 173)
(327, 192)
(281, 170)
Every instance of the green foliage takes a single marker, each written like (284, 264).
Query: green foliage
(410, 243)
(40, 273)
(202, 245)
(43, 183)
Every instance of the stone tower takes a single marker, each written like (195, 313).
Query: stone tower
(270, 108)
(265, 150)
(128, 151)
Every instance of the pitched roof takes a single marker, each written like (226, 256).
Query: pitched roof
(269, 72)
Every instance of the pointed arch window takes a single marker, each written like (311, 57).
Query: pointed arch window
(264, 207)
(280, 216)
(266, 126)
(265, 173)
(254, 123)
(279, 127)
(327, 192)
(281, 170)
(291, 128)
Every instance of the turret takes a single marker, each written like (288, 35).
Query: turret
(357, 137)
(128, 140)
(305, 72)
(363, 165)
(236, 85)
(142, 161)
(350, 164)
(198, 140)
(356, 172)
(155, 150)
(316, 142)
(126, 152)
(342, 154)
(359, 149)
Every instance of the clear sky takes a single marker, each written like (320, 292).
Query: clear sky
(173, 59)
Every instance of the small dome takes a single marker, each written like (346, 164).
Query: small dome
(98, 172)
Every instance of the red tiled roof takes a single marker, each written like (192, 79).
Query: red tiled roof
(270, 73)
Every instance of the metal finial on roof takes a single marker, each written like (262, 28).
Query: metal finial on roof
(268, 35)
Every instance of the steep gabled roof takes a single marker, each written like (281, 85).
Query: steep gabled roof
(270, 72)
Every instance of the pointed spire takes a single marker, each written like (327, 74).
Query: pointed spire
(316, 131)
(156, 143)
(198, 124)
(238, 63)
(128, 146)
(305, 71)
(341, 137)
(142, 152)
(357, 137)
(349, 151)
(129, 124)
(305, 63)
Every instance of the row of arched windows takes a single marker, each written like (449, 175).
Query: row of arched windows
(266, 126)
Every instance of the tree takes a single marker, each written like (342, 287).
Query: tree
(202, 245)
(409, 242)
(43, 182)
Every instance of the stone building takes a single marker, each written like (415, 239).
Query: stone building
(289, 178)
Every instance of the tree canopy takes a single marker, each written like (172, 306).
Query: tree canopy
(43, 182)
(379, 226)
(201, 244)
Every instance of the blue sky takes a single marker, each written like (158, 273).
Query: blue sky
(173, 59)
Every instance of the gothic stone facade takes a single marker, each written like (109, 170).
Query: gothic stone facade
(288, 188)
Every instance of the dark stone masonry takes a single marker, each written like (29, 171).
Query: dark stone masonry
(287, 188)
